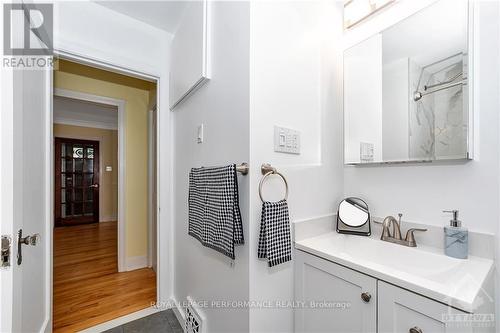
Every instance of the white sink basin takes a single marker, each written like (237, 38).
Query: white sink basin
(426, 271)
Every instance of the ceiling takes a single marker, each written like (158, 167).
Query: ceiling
(164, 15)
(81, 113)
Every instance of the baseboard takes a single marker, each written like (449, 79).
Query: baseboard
(121, 320)
(108, 219)
(47, 326)
(133, 263)
(179, 313)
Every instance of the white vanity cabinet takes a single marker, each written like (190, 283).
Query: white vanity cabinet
(325, 288)
(373, 305)
(401, 311)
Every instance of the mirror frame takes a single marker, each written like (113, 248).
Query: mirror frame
(471, 48)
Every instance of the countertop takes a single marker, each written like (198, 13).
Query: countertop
(423, 270)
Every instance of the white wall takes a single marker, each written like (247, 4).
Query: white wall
(101, 33)
(97, 33)
(222, 105)
(295, 60)
(273, 64)
(422, 191)
(286, 75)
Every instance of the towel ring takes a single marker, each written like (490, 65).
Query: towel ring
(268, 170)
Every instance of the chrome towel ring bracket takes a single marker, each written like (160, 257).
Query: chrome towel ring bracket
(268, 170)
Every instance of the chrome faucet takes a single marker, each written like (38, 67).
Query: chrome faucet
(395, 237)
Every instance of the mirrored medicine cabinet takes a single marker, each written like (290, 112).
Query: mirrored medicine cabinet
(407, 90)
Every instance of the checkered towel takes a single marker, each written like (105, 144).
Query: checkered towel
(214, 212)
(274, 241)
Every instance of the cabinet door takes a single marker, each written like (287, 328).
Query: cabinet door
(333, 297)
(401, 311)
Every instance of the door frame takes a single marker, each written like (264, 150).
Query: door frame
(164, 240)
(164, 273)
(152, 175)
(120, 104)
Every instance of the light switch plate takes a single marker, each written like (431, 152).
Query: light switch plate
(286, 140)
(366, 151)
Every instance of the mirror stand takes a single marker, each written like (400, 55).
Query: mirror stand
(353, 217)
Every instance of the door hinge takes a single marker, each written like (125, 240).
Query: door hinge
(5, 251)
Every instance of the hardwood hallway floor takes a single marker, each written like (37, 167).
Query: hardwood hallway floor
(88, 290)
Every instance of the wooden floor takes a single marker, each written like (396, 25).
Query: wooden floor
(88, 290)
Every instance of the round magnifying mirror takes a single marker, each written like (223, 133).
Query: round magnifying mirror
(353, 217)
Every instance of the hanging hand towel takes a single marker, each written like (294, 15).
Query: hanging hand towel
(274, 241)
(214, 212)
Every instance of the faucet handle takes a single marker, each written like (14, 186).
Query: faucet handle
(410, 237)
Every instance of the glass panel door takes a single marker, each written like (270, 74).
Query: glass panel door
(77, 181)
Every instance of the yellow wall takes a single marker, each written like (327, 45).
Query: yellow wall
(135, 93)
(108, 150)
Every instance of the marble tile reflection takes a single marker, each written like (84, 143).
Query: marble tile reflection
(438, 121)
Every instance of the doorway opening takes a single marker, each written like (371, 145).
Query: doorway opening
(105, 198)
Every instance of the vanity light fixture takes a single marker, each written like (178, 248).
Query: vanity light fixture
(356, 11)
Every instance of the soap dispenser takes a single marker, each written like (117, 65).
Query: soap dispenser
(456, 238)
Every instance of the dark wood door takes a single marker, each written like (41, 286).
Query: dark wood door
(76, 181)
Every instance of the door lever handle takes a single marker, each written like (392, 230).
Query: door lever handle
(28, 240)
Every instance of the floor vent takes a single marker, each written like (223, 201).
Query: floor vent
(194, 321)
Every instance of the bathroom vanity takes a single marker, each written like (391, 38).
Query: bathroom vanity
(349, 283)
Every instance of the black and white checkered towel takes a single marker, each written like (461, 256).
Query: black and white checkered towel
(214, 211)
(274, 241)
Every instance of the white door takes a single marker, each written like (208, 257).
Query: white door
(402, 311)
(336, 299)
(25, 202)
